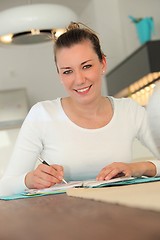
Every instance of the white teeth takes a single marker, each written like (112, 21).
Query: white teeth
(83, 90)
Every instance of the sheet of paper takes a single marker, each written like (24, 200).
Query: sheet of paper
(54, 188)
(94, 183)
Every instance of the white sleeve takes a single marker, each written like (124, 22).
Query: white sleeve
(145, 136)
(10, 185)
(153, 114)
(157, 165)
(28, 146)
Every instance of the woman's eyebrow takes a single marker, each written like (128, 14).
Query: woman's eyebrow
(65, 68)
(86, 61)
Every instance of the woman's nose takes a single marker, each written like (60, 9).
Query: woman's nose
(79, 78)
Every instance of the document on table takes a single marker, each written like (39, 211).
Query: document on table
(62, 188)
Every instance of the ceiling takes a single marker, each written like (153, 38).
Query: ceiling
(76, 5)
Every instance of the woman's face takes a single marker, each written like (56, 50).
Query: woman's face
(81, 71)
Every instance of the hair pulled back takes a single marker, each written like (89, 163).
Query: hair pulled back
(77, 33)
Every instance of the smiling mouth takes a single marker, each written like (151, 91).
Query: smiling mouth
(83, 89)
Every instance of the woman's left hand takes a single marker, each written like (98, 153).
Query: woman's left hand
(114, 170)
(135, 169)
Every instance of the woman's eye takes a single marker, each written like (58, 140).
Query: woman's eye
(87, 66)
(67, 72)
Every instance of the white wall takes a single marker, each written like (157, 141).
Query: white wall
(7, 142)
(139, 9)
(31, 67)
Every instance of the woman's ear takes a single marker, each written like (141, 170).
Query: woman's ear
(104, 64)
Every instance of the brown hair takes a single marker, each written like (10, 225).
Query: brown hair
(76, 33)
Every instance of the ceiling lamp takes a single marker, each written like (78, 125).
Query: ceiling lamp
(33, 23)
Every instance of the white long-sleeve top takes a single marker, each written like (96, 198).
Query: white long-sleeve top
(47, 131)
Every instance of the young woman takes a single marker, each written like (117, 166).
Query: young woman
(82, 136)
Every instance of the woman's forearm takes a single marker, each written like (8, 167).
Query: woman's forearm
(145, 168)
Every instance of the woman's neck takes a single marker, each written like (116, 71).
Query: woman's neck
(85, 110)
(94, 115)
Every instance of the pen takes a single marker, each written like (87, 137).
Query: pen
(44, 162)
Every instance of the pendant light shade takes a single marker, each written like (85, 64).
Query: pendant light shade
(33, 23)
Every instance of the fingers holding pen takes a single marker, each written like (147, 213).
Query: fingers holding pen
(44, 176)
(53, 173)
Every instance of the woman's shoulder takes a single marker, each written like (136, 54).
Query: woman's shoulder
(125, 103)
(129, 110)
(41, 110)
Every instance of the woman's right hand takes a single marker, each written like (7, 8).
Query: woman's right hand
(44, 176)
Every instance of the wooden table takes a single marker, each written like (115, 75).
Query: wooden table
(59, 217)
